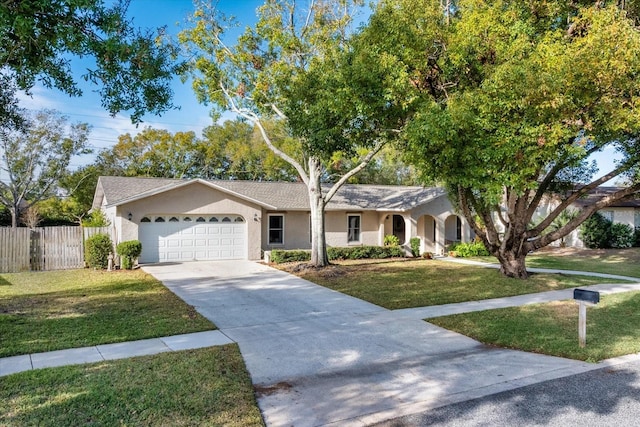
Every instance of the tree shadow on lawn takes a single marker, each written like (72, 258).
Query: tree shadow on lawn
(583, 399)
(196, 387)
(60, 320)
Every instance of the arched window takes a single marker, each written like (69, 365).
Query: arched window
(226, 219)
(238, 219)
(173, 219)
(187, 219)
(213, 219)
(159, 219)
(200, 219)
(145, 219)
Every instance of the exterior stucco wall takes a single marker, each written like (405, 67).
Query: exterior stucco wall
(296, 231)
(194, 199)
(438, 214)
(336, 228)
(624, 216)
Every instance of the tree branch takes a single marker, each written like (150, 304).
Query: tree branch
(584, 215)
(575, 196)
(363, 163)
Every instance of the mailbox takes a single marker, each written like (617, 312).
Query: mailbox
(592, 297)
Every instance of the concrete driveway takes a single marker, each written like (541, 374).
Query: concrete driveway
(318, 357)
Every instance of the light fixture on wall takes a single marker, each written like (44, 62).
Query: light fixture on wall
(255, 217)
(130, 216)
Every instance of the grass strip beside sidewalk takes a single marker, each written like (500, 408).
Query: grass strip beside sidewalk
(56, 310)
(206, 387)
(613, 327)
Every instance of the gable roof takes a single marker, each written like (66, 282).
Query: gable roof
(116, 191)
(598, 193)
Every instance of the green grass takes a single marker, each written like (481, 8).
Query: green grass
(207, 387)
(421, 283)
(48, 311)
(624, 262)
(613, 327)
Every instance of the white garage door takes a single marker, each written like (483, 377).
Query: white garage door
(192, 238)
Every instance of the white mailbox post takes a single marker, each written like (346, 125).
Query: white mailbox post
(584, 298)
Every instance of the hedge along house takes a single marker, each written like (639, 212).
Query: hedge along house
(622, 212)
(186, 220)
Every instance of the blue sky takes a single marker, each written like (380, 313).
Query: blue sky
(191, 116)
(105, 129)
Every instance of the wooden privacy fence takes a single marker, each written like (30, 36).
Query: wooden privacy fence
(44, 248)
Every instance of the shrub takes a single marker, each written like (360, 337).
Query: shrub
(464, 250)
(280, 256)
(128, 252)
(97, 249)
(621, 236)
(391, 240)
(414, 242)
(636, 237)
(598, 232)
(96, 219)
(595, 232)
(365, 252)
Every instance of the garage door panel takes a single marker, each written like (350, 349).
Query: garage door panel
(189, 240)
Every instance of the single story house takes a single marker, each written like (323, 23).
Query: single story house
(622, 211)
(197, 219)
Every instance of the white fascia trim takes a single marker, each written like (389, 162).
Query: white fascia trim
(165, 188)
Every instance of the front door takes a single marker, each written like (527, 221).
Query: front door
(398, 228)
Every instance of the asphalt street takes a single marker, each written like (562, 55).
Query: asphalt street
(604, 397)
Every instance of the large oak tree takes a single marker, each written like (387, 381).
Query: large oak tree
(511, 100)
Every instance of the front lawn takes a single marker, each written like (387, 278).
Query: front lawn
(206, 387)
(623, 262)
(47, 311)
(613, 327)
(420, 283)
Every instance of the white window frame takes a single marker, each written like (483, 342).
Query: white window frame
(269, 230)
(608, 214)
(354, 241)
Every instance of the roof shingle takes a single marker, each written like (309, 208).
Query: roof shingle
(280, 195)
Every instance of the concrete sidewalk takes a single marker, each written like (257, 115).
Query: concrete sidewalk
(515, 301)
(99, 353)
(541, 270)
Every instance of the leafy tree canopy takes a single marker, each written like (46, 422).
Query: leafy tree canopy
(133, 68)
(298, 65)
(509, 99)
(34, 161)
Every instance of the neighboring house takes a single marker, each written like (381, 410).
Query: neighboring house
(625, 212)
(181, 220)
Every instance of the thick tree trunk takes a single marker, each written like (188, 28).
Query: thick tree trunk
(512, 264)
(319, 257)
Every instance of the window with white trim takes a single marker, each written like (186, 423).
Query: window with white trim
(607, 214)
(353, 228)
(276, 229)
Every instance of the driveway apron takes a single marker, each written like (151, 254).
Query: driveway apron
(318, 357)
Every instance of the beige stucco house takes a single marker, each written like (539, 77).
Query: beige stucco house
(184, 220)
